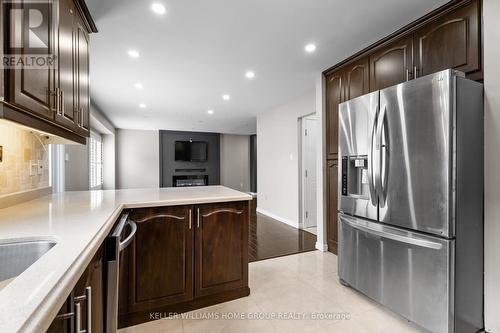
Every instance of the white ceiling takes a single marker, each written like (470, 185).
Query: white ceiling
(201, 49)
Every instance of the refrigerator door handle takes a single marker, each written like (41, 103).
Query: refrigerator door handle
(382, 164)
(371, 186)
(395, 237)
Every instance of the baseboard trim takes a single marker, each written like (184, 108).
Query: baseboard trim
(12, 199)
(278, 218)
(321, 247)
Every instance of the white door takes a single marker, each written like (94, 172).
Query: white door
(309, 150)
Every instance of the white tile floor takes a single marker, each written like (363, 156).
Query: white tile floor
(305, 283)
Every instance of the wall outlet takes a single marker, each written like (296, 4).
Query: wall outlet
(41, 167)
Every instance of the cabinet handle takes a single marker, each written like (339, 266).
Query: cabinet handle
(88, 298)
(57, 100)
(198, 219)
(61, 103)
(78, 324)
(190, 218)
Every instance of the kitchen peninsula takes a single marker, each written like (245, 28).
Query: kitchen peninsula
(191, 243)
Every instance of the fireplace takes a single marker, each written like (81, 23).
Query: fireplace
(190, 180)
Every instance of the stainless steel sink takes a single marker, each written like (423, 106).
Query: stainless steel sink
(17, 256)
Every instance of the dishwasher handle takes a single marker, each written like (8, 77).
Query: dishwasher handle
(128, 240)
(118, 231)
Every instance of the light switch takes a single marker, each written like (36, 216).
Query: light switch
(33, 168)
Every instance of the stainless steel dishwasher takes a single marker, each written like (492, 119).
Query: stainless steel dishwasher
(114, 245)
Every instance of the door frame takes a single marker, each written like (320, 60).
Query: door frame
(301, 175)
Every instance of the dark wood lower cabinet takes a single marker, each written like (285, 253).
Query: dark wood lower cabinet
(221, 248)
(183, 258)
(161, 257)
(89, 292)
(331, 198)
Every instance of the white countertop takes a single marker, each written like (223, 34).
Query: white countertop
(79, 222)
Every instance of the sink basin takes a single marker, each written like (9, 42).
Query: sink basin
(17, 256)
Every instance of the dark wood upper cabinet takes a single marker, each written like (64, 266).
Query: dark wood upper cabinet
(392, 64)
(54, 99)
(66, 79)
(331, 197)
(82, 78)
(450, 41)
(357, 78)
(161, 258)
(28, 88)
(221, 248)
(335, 96)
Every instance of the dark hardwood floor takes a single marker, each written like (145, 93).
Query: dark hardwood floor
(269, 238)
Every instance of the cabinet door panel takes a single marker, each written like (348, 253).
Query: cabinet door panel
(452, 41)
(161, 266)
(357, 78)
(392, 64)
(332, 213)
(92, 277)
(334, 96)
(83, 79)
(66, 78)
(30, 88)
(221, 248)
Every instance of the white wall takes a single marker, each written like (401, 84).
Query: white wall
(137, 159)
(277, 159)
(491, 10)
(76, 167)
(235, 161)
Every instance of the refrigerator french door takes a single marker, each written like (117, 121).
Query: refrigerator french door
(410, 200)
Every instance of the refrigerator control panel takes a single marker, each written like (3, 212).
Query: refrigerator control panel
(345, 162)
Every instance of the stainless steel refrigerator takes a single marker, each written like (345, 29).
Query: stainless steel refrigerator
(411, 200)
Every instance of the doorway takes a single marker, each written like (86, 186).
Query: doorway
(308, 180)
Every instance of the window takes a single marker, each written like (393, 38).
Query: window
(95, 158)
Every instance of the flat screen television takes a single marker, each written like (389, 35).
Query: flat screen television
(191, 151)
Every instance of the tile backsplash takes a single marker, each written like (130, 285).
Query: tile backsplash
(21, 147)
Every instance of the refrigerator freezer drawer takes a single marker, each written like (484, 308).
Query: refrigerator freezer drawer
(407, 272)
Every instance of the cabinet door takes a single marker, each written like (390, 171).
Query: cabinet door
(66, 78)
(91, 284)
(64, 321)
(83, 80)
(334, 96)
(392, 64)
(357, 78)
(161, 257)
(30, 88)
(221, 248)
(451, 41)
(331, 199)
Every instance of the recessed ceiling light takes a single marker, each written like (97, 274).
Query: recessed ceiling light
(143, 106)
(158, 8)
(226, 97)
(138, 85)
(210, 112)
(310, 48)
(250, 75)
(133, 54)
